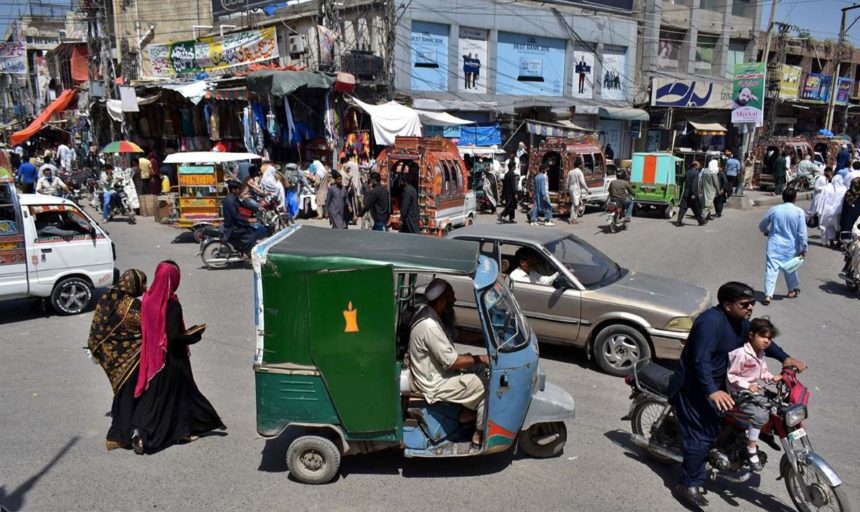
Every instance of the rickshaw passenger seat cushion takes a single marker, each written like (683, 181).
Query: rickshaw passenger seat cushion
(438, 420)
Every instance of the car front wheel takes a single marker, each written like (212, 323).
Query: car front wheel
(618, 347)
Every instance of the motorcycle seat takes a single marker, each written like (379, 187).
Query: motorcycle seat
(655, 378)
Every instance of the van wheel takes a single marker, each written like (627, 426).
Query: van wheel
(313, 460)
(618, 347)
(543, 440)
(71, 296)
(470, 220)
(669, 211)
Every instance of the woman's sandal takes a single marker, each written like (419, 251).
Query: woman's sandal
(137, 442)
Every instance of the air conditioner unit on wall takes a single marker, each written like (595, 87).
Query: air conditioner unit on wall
(298, 44)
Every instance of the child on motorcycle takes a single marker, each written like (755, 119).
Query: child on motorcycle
(747, 368)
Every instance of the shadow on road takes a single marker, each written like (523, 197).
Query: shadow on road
(15, 500)
(185, 237)
(837, 288)
(744, 496)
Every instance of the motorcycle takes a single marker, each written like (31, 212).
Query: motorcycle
(811, 483)
(120, 204)
(852, 280)
(217, 252)
(617, 218)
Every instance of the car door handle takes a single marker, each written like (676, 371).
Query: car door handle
(46, 251)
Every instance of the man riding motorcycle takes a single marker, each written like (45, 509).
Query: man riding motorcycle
(50, 185)
(621, 191)
(698, 387)
(236, 229)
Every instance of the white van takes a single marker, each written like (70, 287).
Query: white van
(50, 248)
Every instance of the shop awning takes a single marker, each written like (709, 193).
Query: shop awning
(555, 130)
(232, 94)
(208, 157)
(58, 105)
(390, 120)
(114, 107)
(193, 91)
(624, 113)
(708, 128)
(281, 83)
(441, 118)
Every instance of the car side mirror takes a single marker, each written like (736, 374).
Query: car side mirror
(560, 283)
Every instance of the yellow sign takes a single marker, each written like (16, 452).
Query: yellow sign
(350, 315)
(189, 202)
(789, 82)
(197, 179)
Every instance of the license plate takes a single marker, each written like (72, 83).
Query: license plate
(796, 435)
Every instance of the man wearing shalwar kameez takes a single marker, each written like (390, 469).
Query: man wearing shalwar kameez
(710, 186)
(785, 227)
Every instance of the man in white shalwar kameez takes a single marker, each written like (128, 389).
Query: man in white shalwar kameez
(577, 188)
(818, 186)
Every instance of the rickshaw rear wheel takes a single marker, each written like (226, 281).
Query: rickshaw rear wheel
(669, 211)
(313, 460)
(544, 440)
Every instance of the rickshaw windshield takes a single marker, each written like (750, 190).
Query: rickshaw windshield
(509, 329)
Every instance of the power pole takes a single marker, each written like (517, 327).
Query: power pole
(774, 75)
(834, 89)
(390, 26)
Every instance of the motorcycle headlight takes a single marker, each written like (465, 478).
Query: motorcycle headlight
(680, 323)
(795, 414)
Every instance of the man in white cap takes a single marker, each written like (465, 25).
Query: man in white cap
(435, 363)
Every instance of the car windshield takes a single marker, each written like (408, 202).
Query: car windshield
(509, 328)
(591, 267)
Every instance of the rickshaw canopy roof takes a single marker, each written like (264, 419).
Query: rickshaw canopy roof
(404, 252)
(207, 157)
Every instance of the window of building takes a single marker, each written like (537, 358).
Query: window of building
(668, 49)
(712, 5)
(742, 8)
(705, 50)
(736, 55)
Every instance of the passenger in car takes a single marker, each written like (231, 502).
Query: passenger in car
(528, 270)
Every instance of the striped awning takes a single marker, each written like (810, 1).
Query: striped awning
(232, 94)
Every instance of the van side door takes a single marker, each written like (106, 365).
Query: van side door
(13, 255)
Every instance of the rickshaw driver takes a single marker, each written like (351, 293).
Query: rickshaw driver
(434, 361)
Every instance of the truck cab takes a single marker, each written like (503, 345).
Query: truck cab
(50, 248)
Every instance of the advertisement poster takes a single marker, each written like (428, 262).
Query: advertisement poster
(614, 65)
(13, 58)
(212, 54)
(789, 82)
(844, 92)
(530, 65)
(583, 74)
(748, 94)
(472, 55)
(667, 92)
(429, 56)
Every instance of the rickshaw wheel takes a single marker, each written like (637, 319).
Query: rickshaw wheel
(544, 440)
(669, 211)
(313, 460)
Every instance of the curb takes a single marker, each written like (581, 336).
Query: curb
(774, 200)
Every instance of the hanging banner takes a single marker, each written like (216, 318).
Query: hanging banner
(530, 65)
(429, 56)
(212, 54)
(614, 62)
(473, 54)
(789, 82)
(583, 74)
(13, 58)
(748, 94)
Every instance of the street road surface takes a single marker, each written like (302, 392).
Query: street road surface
(53, 402)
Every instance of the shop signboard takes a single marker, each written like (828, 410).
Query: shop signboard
(677, 93)
(748, 94)
(583, 74)
(213, 55)
(429, 56)
(789, 82)
(13, 58)
(472, 54)
(614, 78)
(530, 65)
(817, 87)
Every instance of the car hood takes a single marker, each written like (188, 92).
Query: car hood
(658, 292)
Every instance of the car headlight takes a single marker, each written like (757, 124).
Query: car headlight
(795, 414)
(680, 323)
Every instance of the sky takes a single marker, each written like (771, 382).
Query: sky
(820, 17)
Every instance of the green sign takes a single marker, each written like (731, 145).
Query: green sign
(748, 94)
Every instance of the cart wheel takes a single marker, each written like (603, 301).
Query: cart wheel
(313, 460)
(669, 211)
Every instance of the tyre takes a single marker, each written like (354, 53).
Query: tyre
(131, 219)
(669, 211)
(215, 254)
(618, 347)
(543, 440)
(810, 490)
(470, 220)
(198, 234)
(644, 416)
(613, 225)
(313, 460)
(72, 296)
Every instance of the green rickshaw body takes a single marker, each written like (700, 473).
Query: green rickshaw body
(658, 179)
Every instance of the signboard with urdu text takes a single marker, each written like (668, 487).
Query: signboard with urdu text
(212, 54)
(668, 92)
(748, 94)
(13, 58)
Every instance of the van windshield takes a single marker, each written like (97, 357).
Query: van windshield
(505, 320)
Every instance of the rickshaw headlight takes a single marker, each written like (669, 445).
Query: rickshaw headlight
(794, 415)
(680, 323)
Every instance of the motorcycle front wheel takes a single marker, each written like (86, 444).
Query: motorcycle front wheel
(642, 420)
(130, 216)
(215, 254)
(810, 490)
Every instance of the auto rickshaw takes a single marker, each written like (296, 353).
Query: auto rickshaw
(558, 155)
(200, 175)
(438, 174)
(658, 179)
(333, 313)
(766, 152)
